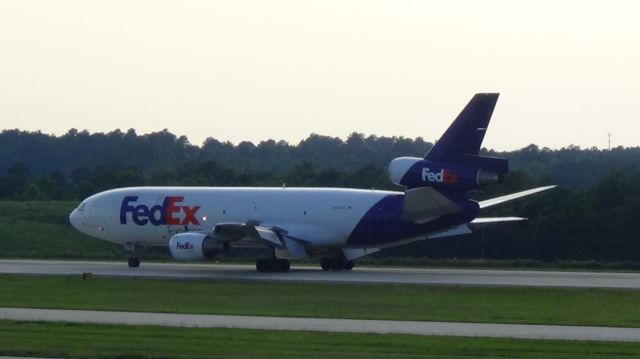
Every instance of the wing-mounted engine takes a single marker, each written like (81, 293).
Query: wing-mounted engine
(192, 246)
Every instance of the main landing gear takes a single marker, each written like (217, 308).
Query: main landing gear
(336, 263)
(272, 265)
(134, 262)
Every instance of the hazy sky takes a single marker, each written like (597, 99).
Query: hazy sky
(568, 71)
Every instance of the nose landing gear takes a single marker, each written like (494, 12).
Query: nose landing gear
(133, 260)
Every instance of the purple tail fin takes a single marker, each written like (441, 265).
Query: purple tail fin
(465, 135)
(461, 142)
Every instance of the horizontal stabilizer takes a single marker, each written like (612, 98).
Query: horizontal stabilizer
(488, 220)
(510, 197)
(425, 203)
(455, 231)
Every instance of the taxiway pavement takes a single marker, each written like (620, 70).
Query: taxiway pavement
(521, 331)
(475, 277)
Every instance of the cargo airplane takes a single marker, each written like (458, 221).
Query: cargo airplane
(338, 224)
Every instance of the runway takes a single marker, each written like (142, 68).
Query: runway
(520, 331)
(363, 275)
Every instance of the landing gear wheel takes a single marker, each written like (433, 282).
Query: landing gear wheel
(325, 263)
(263, 265)
(134, 262)
(336, 263)
(283, 265)
(272, 265)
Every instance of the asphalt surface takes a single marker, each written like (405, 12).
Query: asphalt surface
(475, 277)
(549, 332)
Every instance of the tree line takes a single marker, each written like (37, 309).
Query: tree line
(78, 152)
(591, 216)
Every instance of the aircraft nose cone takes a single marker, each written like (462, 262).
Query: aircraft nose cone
(73, 219)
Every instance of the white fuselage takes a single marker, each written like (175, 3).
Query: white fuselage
(321, 216)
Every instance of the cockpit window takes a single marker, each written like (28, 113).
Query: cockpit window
(81, 207)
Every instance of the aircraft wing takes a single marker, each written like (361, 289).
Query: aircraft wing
(231, 232)
(512, 196)
(279, 238)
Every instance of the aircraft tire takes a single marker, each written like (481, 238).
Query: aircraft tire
(134, 262)
(283, 265)
(337, 263)
(349, 265)
(263, 265)
(272, 265)
(325, 263)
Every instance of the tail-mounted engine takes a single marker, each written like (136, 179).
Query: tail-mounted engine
(195, 246)
(468, 173)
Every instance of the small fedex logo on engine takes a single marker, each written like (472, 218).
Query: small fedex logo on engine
(170, 212)
(185, 245)
(443, 176)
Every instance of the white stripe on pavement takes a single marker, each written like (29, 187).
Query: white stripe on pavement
(522, 331)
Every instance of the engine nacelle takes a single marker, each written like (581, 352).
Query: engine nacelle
(414, 172)
(192, 246)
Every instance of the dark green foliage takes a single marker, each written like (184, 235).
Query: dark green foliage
(160, 152)
(43, 154)
(70, 340)
(592, 216)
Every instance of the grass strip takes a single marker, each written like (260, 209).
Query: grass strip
(597, 307)
(41, 230)
(110, 341)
